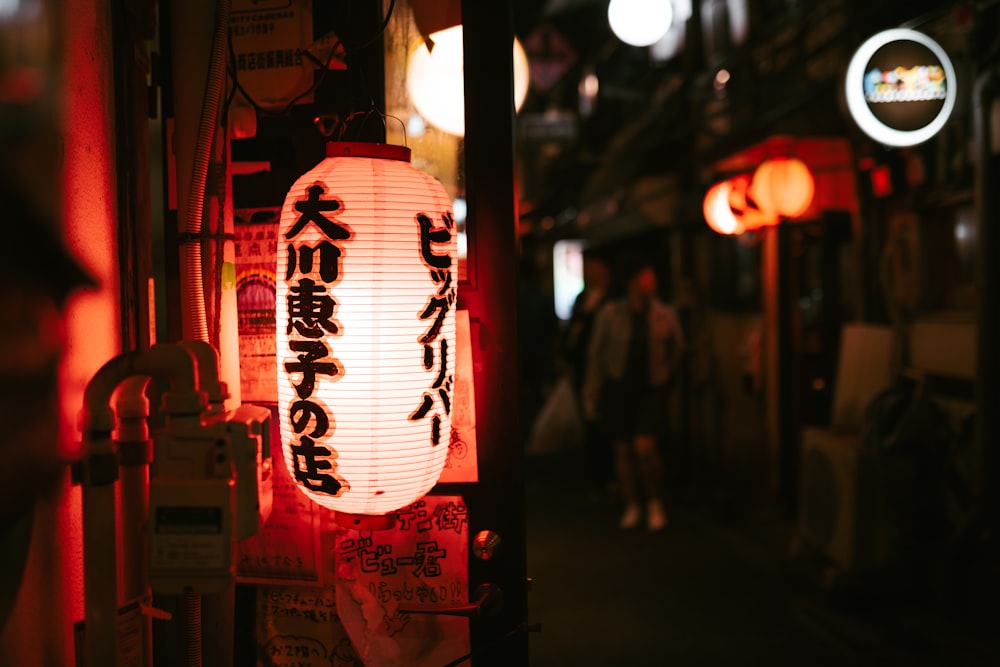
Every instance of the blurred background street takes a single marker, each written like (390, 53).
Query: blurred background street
(710, 589)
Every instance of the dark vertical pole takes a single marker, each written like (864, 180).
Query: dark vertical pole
(988, 320)
(787, 404)
(498, 498)
(132, 25)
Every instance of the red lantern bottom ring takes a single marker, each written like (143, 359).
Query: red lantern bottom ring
(365, 521)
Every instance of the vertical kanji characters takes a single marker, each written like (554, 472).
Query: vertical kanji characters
(311, 270)
(440, 302)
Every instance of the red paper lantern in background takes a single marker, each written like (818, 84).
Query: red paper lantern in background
(717, 211)
(366, 297)
(783, 187)
(744, 208)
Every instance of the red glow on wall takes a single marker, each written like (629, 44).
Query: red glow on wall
(881, 181)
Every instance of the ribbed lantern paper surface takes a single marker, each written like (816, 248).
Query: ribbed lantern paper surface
(366, 296)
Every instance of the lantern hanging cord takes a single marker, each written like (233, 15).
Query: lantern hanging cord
(330, 124)
(385, 23)
(401, 125)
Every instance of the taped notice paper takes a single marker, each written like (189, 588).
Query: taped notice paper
(462, 464)
(299, 627)
(269, 41)
(133, 633)
(423, 561)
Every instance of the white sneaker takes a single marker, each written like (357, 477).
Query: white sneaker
(656, 516)
(630, 519)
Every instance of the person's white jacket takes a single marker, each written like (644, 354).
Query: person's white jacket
(607, 353)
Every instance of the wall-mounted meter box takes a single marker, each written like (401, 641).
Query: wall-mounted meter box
(191, 541)
(249, 428)
(211, 485)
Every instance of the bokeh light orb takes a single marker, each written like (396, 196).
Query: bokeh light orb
(435, 80)
(640, 22)
(718, 214)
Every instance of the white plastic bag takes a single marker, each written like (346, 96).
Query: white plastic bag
(557, 426)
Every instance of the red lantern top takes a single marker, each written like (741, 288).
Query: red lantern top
(365, 149)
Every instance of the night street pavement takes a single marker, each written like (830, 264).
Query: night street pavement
(701, 592)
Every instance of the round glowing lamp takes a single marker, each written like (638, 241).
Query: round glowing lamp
(744, 208)
(717, 211)
(783, 187)
(435, 80)
(366, 289)
(640, 22)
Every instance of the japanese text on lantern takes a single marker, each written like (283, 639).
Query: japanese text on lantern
(439, 303)
(311, 271)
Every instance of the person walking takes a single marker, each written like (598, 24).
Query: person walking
(596, 292)
(633, 353)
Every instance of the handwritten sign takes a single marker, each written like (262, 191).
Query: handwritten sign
(299, 627)
(423, 560)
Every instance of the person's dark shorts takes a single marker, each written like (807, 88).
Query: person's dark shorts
(630, 411)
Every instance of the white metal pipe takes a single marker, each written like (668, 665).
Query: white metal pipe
(131, 440)
(97, 414)
(100, 557)
(208, 373)
(100, 560)
(179, 367)
(175, 364)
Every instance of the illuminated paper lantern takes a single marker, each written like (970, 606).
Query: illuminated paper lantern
(366, 290)
(783, 187)
(746, 211)
(718, 213)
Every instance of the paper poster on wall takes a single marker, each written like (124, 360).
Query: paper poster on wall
(256, 250)
(288, 547)
(274, 50)
(299, 627)
(422, 560)
(462, 464)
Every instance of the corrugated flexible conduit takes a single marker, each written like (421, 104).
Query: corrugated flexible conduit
(191, 256)
(191, 259)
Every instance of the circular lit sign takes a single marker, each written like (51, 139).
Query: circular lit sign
(900, 87)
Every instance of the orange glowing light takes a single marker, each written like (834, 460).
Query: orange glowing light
(717, 211)
(744, 208)
(783, 187)
(366, 290)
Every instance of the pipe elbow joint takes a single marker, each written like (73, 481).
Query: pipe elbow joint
(208, 370)
(97, 415)
(180, 367)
